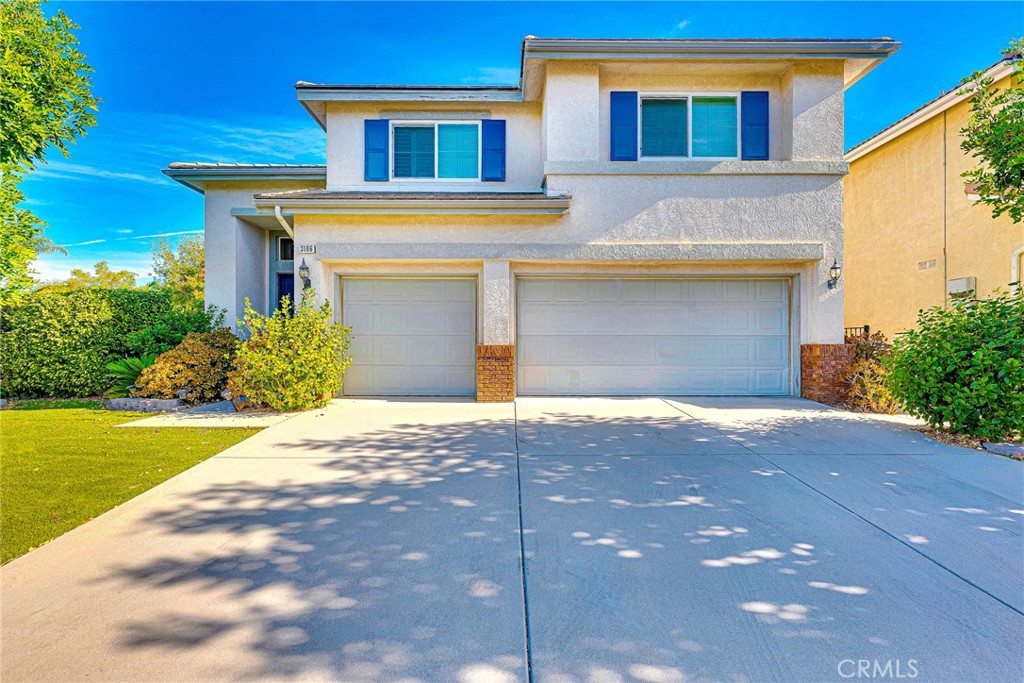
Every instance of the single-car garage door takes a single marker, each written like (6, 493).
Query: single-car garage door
(653, 336)
(410, 336)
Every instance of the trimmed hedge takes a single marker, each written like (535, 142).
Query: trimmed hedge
(57, 344)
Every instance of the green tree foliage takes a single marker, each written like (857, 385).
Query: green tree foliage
(45, 100)
(21, 239)
(964, 366)
(182, 270)
(994, 135)
(102, 277)
(291, 362)
(45, 90)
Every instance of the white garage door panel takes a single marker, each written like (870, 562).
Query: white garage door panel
(410, 337)
(622, 336)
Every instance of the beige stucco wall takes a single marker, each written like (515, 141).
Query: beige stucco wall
(523, 165)
(904, 202)
(237, 257)
(671, 210)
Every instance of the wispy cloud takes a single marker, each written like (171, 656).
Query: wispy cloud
(83, 244)
(162, 234)
(493, 75)
(64, 170)
(681, 26)
(124, 231)
(156, 235)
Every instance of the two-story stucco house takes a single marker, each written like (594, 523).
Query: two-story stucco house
(635, 217)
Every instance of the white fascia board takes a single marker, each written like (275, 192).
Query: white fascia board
(553, 205)
(925, 113)
(328, 94)
(554, 48)
(195, 178)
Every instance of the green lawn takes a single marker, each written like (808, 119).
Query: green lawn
(63, 463)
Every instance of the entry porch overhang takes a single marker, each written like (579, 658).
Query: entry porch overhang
(368, 202)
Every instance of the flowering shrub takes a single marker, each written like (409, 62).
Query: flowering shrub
(199, 364)
(291, 362)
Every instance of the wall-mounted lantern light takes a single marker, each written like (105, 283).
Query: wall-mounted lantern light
(304, 274)
(834, 273)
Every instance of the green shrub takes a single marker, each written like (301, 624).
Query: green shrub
(58, 343)
(124, 372)
(291, 362)
(199, 364)
(867, 378)
(171, 328)
(964, 365)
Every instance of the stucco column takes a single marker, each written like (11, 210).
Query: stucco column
(497, 302)
(317, 278)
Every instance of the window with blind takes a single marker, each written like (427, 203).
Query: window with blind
(663, 127)
(436, 150)
(689, 126)
(715, 127)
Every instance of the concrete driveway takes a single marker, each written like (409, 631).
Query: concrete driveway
(664, 540)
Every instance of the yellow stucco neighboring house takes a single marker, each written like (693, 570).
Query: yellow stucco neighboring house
(913, 231)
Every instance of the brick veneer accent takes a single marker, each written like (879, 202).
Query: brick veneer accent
(821, 371)
(495, 373)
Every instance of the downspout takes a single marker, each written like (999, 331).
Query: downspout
(284, 224)
(945, 257)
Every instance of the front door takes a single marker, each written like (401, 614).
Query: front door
(285, 287)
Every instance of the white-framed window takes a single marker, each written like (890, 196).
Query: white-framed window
(690, 125)
(435, 150)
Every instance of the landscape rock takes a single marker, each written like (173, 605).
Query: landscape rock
(146, 405)
(1010, 450)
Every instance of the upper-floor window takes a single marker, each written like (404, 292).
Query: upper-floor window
(705, 126)
(435, 150)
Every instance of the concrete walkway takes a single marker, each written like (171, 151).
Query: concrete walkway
(664, 540)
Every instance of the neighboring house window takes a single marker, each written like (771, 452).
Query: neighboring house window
(286, 249)
(692, 126)
(436, 150)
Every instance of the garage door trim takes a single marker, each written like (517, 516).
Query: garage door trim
(471, 278)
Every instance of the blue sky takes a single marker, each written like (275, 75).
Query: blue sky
(201, 81)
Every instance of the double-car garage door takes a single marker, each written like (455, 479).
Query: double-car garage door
(594, 336)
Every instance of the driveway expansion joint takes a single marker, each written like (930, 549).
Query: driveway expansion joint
(884, 531)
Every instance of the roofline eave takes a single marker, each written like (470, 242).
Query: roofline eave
(922, 114)
(196, 178)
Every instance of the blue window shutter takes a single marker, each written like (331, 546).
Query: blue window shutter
(754, 130)
(375, 157)
(493, 150)
(623, 129)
